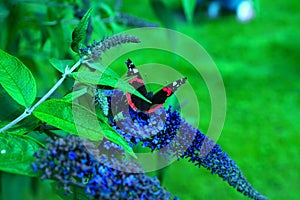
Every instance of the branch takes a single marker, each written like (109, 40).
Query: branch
(29, 110)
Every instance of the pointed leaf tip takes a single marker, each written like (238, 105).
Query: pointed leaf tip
(17, 79)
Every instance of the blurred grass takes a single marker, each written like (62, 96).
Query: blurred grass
(259, 63)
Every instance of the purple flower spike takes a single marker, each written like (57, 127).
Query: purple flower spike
(73, 165)
(177, 138)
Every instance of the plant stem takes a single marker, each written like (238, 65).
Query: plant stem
(29, 110)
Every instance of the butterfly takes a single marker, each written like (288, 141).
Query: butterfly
(157, 99)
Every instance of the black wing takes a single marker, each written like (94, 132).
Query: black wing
(137, 82)
(161, 96)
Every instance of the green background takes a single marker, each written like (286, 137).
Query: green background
(259, 64)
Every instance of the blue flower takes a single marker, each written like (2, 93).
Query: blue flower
(102, 177)
(202, 151)
(34, 167)
(107, 177)
(130, 180)
(72, 155)
(177, 138)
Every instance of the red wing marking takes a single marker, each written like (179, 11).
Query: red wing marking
(136, 79)
(128, 96)
(154, 108)
(168, 91)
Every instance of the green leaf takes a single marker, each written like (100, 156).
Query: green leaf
(115, 137)
(106, 79)
(103, 69)
(61, 65)
(25, 126)
(75, 94)
(70, 117)
(189, 7)
(16, 154)
(17, 80)
(79, 32)
(76, 119)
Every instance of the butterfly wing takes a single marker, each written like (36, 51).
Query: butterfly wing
(161, 96)
(137, 82)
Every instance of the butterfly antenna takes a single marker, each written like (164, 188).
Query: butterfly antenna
(129, 64)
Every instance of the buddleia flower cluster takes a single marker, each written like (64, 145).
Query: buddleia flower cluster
(73, 161)
(172, 136)
(101, 99)
(95, 50)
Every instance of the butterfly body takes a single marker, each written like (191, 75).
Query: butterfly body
(157, 99)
